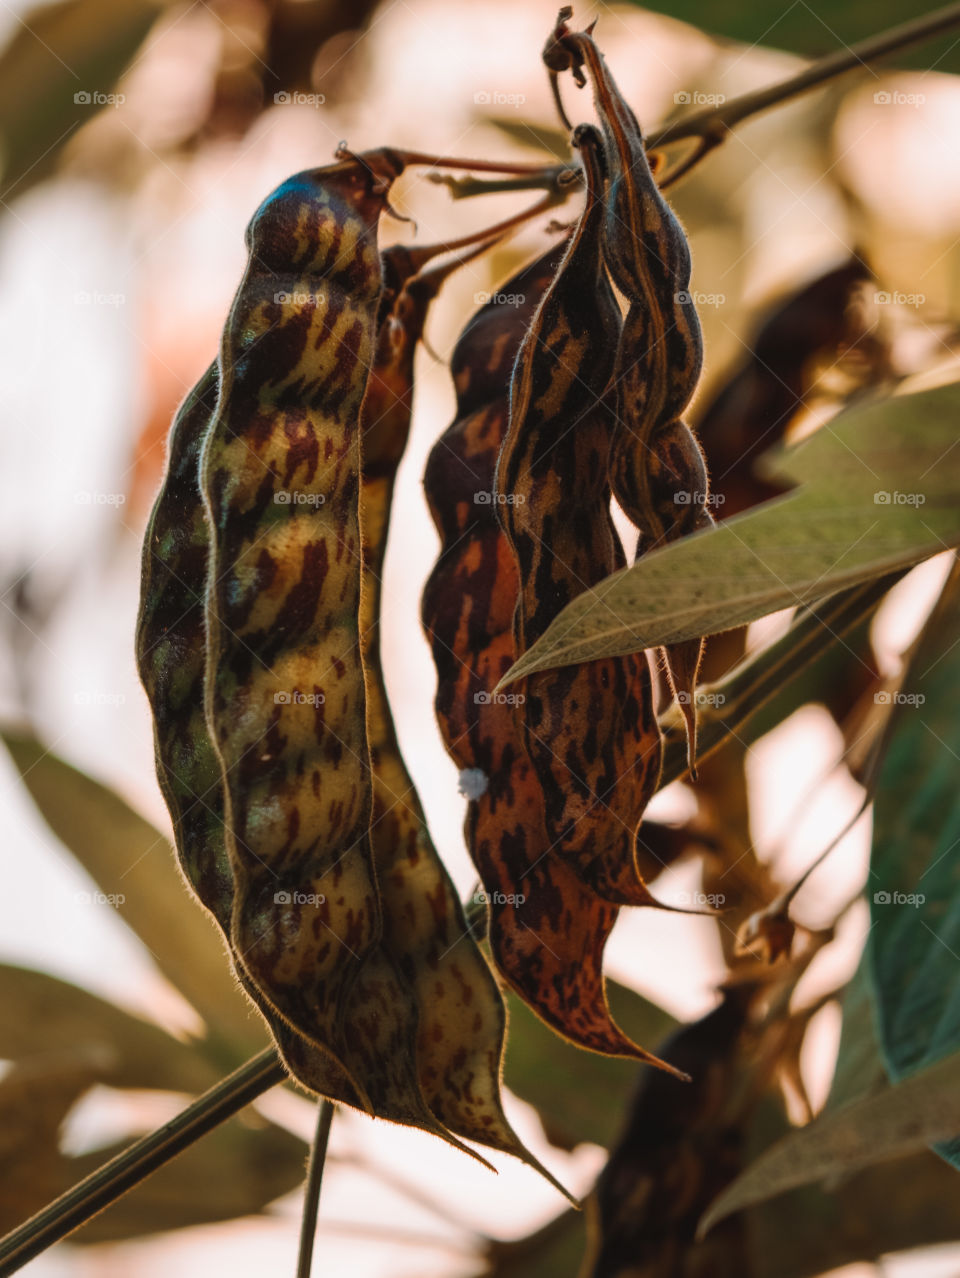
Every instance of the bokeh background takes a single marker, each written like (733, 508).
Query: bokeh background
(136, 140)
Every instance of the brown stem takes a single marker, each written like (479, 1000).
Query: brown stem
(311, 1193)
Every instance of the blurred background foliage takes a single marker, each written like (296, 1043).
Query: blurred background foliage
(136, 138)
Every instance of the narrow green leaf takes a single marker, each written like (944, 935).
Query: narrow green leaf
(801, 29)
(129, 859)
(877, 492)
(896, 1122)
(60, 57)
(914, 886)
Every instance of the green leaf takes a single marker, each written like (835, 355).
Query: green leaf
(128, 858)
(57, 52)
(877, 492)
(41, 1015)
(896, 1122)
(914, 886)
(580, 1096)
(800, 29)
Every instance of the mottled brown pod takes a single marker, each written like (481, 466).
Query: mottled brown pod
(590, 730)
(547, 930)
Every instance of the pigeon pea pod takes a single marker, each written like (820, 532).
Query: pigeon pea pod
(589, 730)
(171, 659)
(462, 1016)
(547, 930)
(657, 469)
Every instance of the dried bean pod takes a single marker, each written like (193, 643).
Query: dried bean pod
(171, 648)
(284, 687)
(462, 1016)
(547, 930)
(657, 469)
(590, 730)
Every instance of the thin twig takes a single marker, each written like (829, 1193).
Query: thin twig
(311, 1193)
(142, 1159)
(713, 123)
